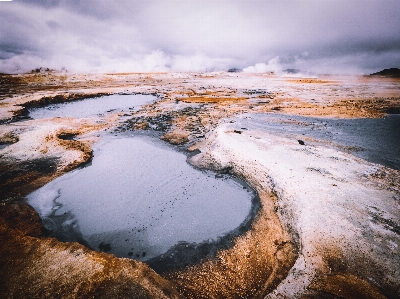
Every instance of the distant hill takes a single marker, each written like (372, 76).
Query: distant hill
(234, 70)
(292, 71)
(392, 72)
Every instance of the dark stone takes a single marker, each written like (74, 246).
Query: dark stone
(256, 91)
(301, 142)
(66, 136)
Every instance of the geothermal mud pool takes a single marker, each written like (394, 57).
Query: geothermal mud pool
(92, 107)
(139, 198)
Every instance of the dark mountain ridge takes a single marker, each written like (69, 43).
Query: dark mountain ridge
(392, 72)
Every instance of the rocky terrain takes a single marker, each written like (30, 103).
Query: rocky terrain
(329, 223)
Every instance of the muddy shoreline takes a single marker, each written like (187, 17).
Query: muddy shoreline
(66, 226)
(285, 252)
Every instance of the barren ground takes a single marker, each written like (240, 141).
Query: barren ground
(329, 226)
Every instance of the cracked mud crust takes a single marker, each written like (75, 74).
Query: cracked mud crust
(329, 222)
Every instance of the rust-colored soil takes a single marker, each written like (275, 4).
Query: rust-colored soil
(215, 100)
(37, 267)
(313, 81)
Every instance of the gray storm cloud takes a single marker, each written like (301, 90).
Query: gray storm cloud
(330, 36)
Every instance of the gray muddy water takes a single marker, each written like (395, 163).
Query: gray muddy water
(140, 198)
(92, 106)
(374, 139)
(4, 145)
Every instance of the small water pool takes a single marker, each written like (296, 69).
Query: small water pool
(139, 198)
(92, 106)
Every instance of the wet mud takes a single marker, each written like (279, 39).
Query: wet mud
(186, 254)
(66, 270)
(59, 99)
(251, 268)
(220, 198)
(14, 174)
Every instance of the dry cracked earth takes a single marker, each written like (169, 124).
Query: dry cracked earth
(329, 222)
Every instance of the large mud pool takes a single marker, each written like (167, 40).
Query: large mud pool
(374, 139)
(91, 107)
(139, 198)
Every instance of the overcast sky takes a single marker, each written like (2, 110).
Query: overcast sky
(321, 36)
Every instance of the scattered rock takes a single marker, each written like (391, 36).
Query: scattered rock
(176, 138)
(301, 142)
(9, 138)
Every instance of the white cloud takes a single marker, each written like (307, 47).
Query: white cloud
(183, 35)
(273, 66)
